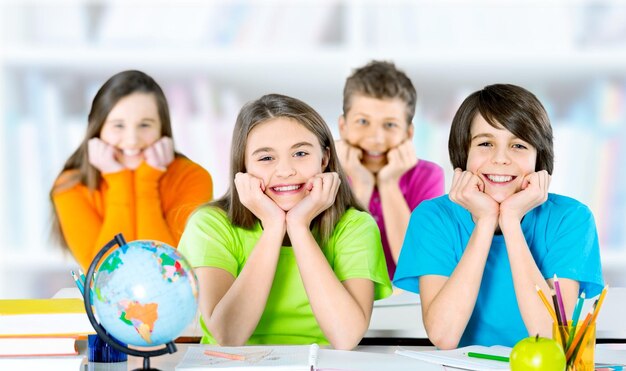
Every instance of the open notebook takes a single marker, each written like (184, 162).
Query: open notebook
(294, 358)
(458, 357)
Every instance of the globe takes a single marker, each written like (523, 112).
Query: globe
(145, 293)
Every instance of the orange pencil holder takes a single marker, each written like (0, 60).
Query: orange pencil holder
(579, 348)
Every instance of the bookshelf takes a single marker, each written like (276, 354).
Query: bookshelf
(211, 57)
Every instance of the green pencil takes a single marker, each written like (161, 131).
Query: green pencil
(488, 356)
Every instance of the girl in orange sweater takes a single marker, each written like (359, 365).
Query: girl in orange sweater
(125, 177)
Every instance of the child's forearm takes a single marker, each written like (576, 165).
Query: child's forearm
(449, 309)
(526, 275)
(343, 318)
(234, 318)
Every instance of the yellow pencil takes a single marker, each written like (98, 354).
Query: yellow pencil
(543, 298)
(600, 300)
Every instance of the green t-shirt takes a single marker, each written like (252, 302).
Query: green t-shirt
(353, 251)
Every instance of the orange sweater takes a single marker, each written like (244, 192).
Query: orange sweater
(146, 203)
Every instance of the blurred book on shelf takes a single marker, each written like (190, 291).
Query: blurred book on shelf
(38, 346)
(48, 363)
(44, 317)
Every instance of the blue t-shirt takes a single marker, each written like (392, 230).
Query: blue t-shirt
(562, 237)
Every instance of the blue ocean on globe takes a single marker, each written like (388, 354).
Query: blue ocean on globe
(145, 293)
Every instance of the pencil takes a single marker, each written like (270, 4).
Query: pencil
(82, 277)
(543, 298)
(559, 297)
(488, 356)
(578, 336)
(232, 356)
(79, 284)
(580, 349)
(559, 323)
(600, 301)
(576, 317)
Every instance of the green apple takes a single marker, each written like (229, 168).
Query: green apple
(535, 353)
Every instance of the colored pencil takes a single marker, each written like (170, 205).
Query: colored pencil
(488, 356)
(580, 349)
(82, 277)
(600, 301)
(579, 335)
(575, 318)
(79, 284)
(234, 357)
(543, 298)
(559, 323)
(559, 297)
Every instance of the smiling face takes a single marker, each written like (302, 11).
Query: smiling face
(375, 126)
(284, 155)
(132, 125)
(499, 158)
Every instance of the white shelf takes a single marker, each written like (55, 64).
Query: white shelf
(90, 57)
(201, 58)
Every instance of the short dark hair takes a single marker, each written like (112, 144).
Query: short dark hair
(380, 80)
(503, 105)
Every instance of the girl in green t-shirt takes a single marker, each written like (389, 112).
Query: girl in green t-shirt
(286, 256)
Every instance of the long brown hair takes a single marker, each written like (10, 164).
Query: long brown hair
(115, 88)
(274, 106)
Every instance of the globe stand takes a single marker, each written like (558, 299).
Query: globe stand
(146, 354)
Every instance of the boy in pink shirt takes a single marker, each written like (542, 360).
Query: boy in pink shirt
(376, 150)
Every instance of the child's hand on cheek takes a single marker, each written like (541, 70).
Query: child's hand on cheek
(534, 192)
(399, 160)
(102, 156)
(321, 193)
(251, 191)
(350, 158)
(160, 154)
(468, 190)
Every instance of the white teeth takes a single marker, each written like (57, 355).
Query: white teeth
(287, 188)
(131, 152)
(500, 178)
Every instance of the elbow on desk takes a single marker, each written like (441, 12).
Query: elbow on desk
(224, 337)
(227, 341)
(344, 344)
(442, 339)
(347, 336)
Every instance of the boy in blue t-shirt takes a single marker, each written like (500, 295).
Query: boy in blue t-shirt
(475, 255)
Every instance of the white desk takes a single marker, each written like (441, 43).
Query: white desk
(610, 353)
(169, 361)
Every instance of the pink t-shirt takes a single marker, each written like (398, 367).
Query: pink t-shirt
(422, 182)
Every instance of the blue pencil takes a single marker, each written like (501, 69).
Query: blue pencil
(79, 284)
(576, 317)
(82, 277)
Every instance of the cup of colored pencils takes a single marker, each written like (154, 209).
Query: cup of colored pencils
(578, 335)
